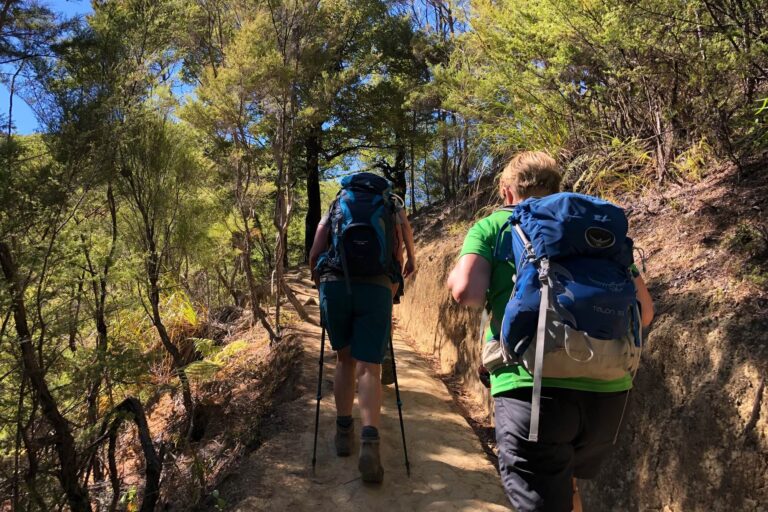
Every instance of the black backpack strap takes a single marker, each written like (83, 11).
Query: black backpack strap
(331, 208)
(506, 208)
(498, 240)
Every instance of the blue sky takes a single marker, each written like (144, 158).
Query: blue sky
(23, 118)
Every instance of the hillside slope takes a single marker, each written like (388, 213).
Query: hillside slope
(696, 437)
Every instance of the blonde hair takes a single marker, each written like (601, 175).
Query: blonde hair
(531, 173)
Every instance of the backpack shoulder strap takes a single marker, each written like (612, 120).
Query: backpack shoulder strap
(509, 208)
(529, 252)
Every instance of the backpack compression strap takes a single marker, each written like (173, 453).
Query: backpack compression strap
(541, 341)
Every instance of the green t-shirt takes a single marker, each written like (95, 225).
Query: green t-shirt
(481, 240)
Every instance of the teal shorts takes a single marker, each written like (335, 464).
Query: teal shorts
(361, 319)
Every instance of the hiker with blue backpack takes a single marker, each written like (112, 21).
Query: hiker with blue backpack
(567, 306)
(356, 259)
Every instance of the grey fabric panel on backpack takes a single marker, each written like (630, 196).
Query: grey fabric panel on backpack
(570, 353)
(495, 356)
(559, 351)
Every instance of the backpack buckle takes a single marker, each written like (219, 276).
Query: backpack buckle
(544, 270)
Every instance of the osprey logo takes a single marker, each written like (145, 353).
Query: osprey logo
(599, 238)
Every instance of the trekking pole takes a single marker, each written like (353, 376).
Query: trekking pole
(319, 396)
(399, 403)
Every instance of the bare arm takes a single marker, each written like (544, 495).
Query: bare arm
(469, 280)
(645, 300)
(319, 245)
(410, 247)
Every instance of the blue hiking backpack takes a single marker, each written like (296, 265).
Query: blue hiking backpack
(362, 228)
(573, 310)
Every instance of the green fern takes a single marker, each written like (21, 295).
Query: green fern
(214, 358)
(202, 371)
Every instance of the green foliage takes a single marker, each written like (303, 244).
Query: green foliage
(214, 358)
(220, 503)
(756, 275)
(693, 163)
(180, 309)
(202, 371)
(129, 498)
(757, 130)
(749, 240)
(618, 168)
(569, 75)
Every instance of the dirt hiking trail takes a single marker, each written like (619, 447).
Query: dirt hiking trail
(449, 470)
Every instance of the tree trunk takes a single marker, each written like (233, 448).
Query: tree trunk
(286, 263)
(413, 166)
(100, 319)
(75, 313)
(153, 462)
(153, 276)
(399, 180)
(258, 313)
(15, 487)
(444, 172)
(396, 173)
(312, 146)
(295, 303)
(77, 496)
(464, 169)
(426, 181)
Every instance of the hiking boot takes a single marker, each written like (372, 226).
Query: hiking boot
(370, 462)
(343, 440)
(387, 371)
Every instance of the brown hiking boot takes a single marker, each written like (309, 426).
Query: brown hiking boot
(343, 440)
(370, 461)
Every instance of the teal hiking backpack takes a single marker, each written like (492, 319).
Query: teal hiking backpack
(362, 228)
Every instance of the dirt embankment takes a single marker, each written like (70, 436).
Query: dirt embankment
(440, 328)
(696, 437)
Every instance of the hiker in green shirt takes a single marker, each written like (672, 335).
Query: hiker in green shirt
(538, 476)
